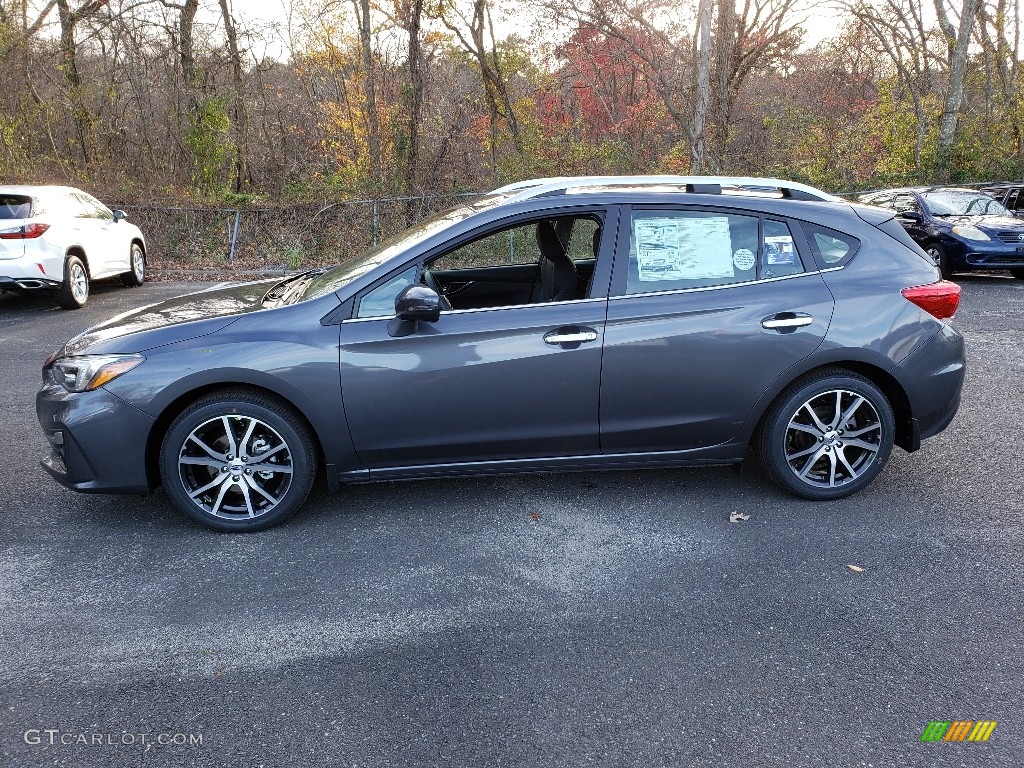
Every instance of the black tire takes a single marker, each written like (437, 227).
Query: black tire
(74, 289)
(136, 274)
(938, 253)
(231, 494)
(1017, 273)
(830, 463)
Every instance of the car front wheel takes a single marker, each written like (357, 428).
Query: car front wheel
(941, 259)
(238, 461)
(74, 289)
(827, 436)
(136, 275)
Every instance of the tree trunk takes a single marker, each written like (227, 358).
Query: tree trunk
(414, 19)
(239, 114)
(84, 120)
(369, 89)
(955, 87)
(725, 66)
(700, 109)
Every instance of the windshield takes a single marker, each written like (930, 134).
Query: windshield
(348, 271)
(962, 203)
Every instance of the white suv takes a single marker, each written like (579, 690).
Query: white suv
(60, 238)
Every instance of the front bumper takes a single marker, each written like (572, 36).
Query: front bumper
(990, 255)
(97, 441)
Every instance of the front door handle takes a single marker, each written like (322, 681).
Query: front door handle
(786, 321)
(570, 336)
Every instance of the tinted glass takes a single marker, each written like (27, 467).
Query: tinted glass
(15, 207)
(833, 248)
(671, 250)
(962, 203)
(380, 302)
(779, 255)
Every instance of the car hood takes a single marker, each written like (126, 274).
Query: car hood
(987, 224)
(177, 319)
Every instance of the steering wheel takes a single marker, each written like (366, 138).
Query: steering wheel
(431, 282)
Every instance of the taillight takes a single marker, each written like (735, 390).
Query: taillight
(937, 299)
(27, 232)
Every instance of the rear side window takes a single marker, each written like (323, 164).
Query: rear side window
(672, 250)
(831, 248)
(15, 207)
(779, 255)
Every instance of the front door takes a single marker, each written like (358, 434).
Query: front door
(483, 383)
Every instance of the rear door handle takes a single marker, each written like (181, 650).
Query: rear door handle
(570, 336)
(786, 321)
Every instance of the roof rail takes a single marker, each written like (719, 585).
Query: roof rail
(525, 190)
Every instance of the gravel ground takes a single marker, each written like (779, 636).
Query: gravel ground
(612, 619)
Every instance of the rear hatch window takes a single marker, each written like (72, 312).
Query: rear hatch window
(15, 207)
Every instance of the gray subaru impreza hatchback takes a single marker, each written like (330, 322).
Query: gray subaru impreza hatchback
(555, 324)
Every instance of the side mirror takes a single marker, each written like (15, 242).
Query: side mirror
(911, 215)
(418, 302)
(118, 215)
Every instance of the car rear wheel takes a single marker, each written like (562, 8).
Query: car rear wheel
(136, 275)
(74, 290)
(238, 461)
(827, 436)
(941, 259)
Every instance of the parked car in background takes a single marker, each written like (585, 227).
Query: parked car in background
(961, 229)
(581, 323)
(1010, 194)
(59, 239)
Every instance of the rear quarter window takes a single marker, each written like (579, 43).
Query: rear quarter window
(831, 248)
(15, 207)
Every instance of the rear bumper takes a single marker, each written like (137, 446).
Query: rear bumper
(27, 283)
(933, 378)
(97, 442)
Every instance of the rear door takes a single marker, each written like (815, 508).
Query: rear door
(708, 308)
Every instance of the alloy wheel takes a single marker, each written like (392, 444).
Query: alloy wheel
(235, 467)
(833, 438)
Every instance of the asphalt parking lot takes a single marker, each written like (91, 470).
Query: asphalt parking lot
(574, 619)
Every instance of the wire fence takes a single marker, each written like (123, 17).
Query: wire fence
(275, 239)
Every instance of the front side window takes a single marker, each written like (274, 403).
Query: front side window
(904, 203)
(534, 262)
(95, 209)
(380, 301)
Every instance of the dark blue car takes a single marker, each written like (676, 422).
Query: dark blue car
(962, 229)
(601, 323)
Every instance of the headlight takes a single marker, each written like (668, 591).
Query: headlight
(970, 233)
(88, 372)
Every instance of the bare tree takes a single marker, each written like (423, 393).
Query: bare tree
(958, 41)
(239, 110)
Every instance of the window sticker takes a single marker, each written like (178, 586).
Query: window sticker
(743, 259)
(677, 248)
(779, 249)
